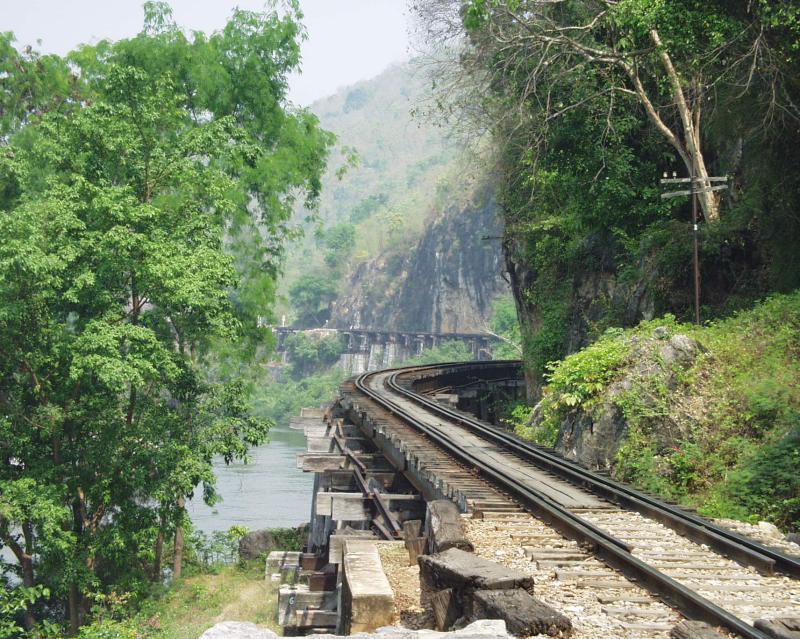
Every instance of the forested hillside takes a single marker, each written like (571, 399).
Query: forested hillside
(408, 198)
(589, 104)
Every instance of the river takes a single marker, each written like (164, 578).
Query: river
(269, 492)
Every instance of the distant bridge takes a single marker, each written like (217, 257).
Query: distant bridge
(392, 345)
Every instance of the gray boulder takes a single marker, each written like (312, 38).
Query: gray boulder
(592, 436)
(483, 629)
(255, 544)
(680, 350)
(237, 630)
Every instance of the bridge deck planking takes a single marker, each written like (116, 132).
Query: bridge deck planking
(558, 490)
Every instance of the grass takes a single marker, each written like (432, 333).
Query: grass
(196, 603)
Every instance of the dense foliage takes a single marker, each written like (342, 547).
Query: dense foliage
(736, 410)
(588, 102)
(145, 192)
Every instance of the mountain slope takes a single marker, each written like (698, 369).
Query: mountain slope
(399, 239)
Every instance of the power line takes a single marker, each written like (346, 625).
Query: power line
(697, 185)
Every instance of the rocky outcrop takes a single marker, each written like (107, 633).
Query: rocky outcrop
(592, 436)
(445, 284)
(256, 544)
(577, 298)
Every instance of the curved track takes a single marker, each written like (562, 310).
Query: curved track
(590, 508)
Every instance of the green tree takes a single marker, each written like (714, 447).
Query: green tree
(505, 326)
(310, 353)
(311, 296)
(340, 240)
(673, 59)
(129, 257)
(588, 101)
(32, 84)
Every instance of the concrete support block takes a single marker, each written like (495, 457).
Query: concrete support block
(367, 597)
(278, 558)
(337, 541)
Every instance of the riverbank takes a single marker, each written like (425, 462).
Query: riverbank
(194, 604)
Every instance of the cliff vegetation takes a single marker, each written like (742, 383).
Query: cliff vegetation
(709, 416)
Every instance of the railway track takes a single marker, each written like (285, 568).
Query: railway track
(595, 526)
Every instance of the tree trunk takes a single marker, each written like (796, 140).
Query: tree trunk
(696, 164)
(159, 552)
(24, 557)
(27, 581)
(26, 564)
(74, 609)
(177, 564)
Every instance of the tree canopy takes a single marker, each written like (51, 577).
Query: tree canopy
(146, 187)
(587, 103)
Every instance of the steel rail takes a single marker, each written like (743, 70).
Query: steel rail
(736, 546)
(612, 551)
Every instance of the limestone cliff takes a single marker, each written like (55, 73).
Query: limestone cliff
(445, 284)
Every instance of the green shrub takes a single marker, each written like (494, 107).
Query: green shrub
(582, 376)
(733, 415)
(110, 629)
(766, 483)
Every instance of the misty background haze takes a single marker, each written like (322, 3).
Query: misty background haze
(348, 40)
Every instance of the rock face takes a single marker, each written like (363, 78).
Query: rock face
(446, 284)
(255, 544)
(596, 293)
(237, 630)
(593, 437)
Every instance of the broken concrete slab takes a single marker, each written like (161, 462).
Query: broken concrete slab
(524, 615)
(455, 568)
(444, 528)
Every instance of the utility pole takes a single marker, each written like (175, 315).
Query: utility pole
(696, 185)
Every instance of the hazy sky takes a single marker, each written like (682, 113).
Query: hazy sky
(348, 39)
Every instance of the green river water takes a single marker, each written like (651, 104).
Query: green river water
(269, 492)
